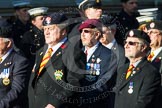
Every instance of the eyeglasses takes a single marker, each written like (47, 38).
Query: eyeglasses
(132, 43)
(86, 31)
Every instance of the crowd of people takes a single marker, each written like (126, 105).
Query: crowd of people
(91, 61)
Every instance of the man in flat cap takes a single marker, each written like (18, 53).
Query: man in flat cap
(100, 67)
(57, 67)
(109, 41)
(14, 74)
(138, 82)
(33, 39)
(21, 23)
(126, 19)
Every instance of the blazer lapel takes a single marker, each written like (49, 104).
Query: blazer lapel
(96, 53)
(135, 72)
(40, 57)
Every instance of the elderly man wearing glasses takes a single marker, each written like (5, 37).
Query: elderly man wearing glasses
(155, 55)
(100, 66)
(138, 82)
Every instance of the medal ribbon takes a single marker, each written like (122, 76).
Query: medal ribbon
(129, 71)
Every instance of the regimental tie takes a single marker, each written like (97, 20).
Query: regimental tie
(129, 71)
(150, 56)
(0, 59)
(45, 59)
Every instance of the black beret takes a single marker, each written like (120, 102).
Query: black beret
(89, 4)
(91, 23)
(5, 29)
(154, 25)
(138, 34)
(54, 18)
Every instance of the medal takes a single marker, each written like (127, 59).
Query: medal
(6, 81)
(97, 72)
(130, 90)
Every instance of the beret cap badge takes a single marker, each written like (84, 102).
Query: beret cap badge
(131, 33)
(152, 25)
(48, 20)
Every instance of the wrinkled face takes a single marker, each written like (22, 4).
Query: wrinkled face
(89, 37)
(93, 13)
(3, 45)
(23, 14)
(155, 37)
(53, 34)
(38, 22)
(133, 47)
(130, 6)
(106, 36)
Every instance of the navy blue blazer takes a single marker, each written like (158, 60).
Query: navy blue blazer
(13, 93)
(101, 83)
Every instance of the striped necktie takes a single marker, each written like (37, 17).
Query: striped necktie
(0, 59)
(129, 71)
(45, 59)
(150, 56)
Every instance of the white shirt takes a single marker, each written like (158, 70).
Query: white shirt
(6, 55)
(91, 51)
(110, 45)
(57, 46)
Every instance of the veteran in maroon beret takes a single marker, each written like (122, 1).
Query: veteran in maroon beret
(58, 64)
(100, 66)
(138, 82)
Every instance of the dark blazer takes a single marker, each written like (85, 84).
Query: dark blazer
(48, 88)
(157, 62)
(120, 54)
(31, 42)
(100, 84)
(14, 94)
(18, 30)
(145, 83)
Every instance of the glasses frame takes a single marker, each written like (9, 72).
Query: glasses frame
(132, 43)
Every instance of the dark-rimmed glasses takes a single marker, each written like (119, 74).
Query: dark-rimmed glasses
(86, 31)
(131, 43)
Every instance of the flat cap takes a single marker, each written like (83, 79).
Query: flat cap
(18, 4)
(89, 4)
(38, 11)
(154, 25)
(5, 29)
(107, 20)
(138, 34)
(91, 23)
(54, 18)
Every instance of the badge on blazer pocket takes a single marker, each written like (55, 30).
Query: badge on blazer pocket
(58, 74)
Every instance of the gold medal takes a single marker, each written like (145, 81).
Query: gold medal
(6, 81)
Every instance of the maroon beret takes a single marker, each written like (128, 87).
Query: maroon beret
(91, 23)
